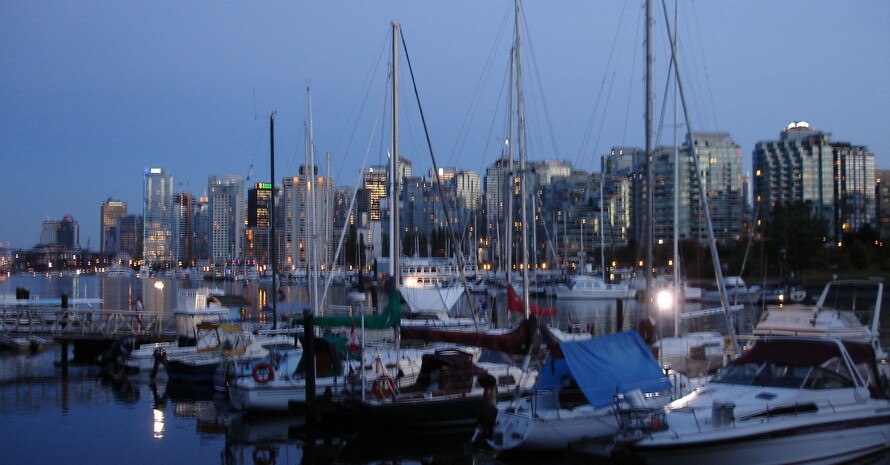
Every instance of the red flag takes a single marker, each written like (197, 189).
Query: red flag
(353, 340)
(514, 304)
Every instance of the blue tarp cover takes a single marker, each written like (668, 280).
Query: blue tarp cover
(605, 365)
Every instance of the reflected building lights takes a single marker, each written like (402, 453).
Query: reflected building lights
(158, 424)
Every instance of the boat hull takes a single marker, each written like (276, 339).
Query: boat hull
(432, 299)
(275, 396)
(191, 372)
(553, 430)
(453, 412)
(811, 443)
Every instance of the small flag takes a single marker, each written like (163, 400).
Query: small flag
(514, 304)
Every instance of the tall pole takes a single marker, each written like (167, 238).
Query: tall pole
(394, 168)
(395, 247)
(520, 133)
(712, 241)
(313, 213)
(676, 270)
(650, 171)
(272, 221)
(508, 176)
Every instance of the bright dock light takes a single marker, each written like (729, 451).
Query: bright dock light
(665, 300)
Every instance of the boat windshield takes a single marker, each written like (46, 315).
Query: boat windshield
(769, 374)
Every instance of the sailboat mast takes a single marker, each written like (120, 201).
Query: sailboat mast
(394, 164)
(313, 213)
(676, 270)
(520, 129)
(394, 240)
(508, 177)
(602, 221)
(272, 221)
(712, 242)
(650, 170)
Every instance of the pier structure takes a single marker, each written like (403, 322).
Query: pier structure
(89, 330)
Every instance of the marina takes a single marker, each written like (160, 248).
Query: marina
(92, 418)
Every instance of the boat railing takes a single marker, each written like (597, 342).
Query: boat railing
(85, 322)
(636, 421)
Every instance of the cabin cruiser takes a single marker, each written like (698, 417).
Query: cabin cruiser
(849, 310)
(781, 292)
(736, 291)
(592, 287)
(784, 400)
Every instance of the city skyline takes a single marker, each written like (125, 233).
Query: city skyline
(96, 93)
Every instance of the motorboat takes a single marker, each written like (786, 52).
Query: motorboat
(784, 400)
(575, 394)
(780, 292)
(194, 307)
(737, 292)
(216, 342)
(584, 286)
(273, 350)
(846, 309)
(849, 310)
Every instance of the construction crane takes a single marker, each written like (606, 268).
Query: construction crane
(249, 172)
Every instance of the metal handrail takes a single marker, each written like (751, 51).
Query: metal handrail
(85, 322)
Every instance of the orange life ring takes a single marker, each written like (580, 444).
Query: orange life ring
(383, 387)
(263, 372)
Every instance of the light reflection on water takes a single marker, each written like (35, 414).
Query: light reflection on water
(89, 419)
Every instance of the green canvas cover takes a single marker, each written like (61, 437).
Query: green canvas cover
(391, 317)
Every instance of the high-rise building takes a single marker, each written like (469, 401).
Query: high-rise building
(445, 174)
(157, 218)
(855, 191)
(110, 211)
(375, 182)
(796, 168)
(629, 163)
(259, 203)
(343, 199)
(468, 186)
(202, 230)
(60, 234)
(226, 214)
(882, 203)
(309, 234)
(721, 169)
(129, 236)
(501, 182)
(259, 226)
(184, 229)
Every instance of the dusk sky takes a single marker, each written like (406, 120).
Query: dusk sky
(94, 92)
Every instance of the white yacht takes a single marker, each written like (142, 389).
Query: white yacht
(785, 400)
(592, 287)
(736, 291)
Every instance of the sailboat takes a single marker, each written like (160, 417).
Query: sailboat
(700, 352)
(452, 382)
(574, 396)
